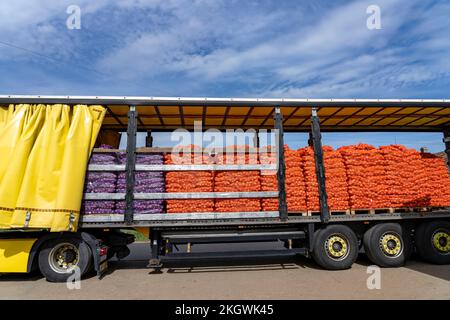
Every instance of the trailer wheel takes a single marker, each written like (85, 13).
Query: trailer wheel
(386, 245)
(433, 241)
(59, 257)
(335, 247)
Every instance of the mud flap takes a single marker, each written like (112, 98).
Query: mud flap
(99, 253)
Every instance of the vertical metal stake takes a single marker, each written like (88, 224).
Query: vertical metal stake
(256, 142)
(281, 172)
(320, 166)
(149, 139)
(447, 145)
(131, 164)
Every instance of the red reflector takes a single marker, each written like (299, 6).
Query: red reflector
(103, 251)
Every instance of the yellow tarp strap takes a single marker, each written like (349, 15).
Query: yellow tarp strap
(44, 151)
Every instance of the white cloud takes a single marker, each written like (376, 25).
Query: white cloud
(39, 26)
(196, 34)
(337, 54)
(257, 49)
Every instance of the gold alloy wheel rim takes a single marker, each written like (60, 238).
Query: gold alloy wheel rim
(391, 244)
(337, 247)
(63, 258)
(441, 241)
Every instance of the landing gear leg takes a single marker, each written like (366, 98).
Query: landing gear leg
(155, 243)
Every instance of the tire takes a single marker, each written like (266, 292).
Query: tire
(73, 251)
(428, 250)
(387, 245)
(335, 247)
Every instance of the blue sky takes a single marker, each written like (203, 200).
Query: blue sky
(221, 48)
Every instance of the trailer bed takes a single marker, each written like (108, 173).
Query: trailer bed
(242, 218)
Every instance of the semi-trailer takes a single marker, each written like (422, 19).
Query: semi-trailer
(332, 239)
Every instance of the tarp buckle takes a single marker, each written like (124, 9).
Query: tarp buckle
(27, 219)
(71, 220)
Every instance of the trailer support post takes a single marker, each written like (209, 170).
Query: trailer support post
(131, 164)
(310, 238)
(281, 172)
(155, 244)
(447, 145)
(320, 166)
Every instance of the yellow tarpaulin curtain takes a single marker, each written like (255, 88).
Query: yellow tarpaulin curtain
(6, 113)
(44, 151)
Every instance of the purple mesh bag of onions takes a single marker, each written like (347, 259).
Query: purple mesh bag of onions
(145, 182)
(100, 182)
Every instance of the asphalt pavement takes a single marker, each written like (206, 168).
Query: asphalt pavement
(238, 278)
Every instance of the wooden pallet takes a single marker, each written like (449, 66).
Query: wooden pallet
(332, 212)
(388, 210)
(298, 213)
(312, 213)
(438, 208)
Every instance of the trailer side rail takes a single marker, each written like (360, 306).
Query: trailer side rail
(185, 167)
